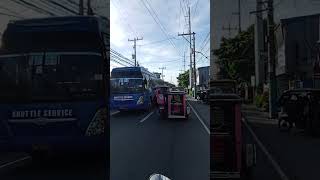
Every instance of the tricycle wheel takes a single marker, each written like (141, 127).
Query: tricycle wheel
(284, 125)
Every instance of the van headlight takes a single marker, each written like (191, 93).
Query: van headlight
(141, 100)
(96, 126)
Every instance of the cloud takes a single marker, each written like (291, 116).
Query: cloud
(132, 19)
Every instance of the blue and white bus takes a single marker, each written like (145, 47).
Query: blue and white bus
(54, 87)
(132, 88)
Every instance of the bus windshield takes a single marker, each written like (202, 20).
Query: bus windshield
(49, 77)
(126, 85)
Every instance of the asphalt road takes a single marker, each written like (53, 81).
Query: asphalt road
(297, 154)
(263, 170)
(143, 144)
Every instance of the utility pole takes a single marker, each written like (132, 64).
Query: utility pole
(134, 56)
(89, 11)
(80, 7)
(239, 15)
(190, 45)
(194, 64)
(258, 45)
(190, 73)
(184, 61)
(271, 62)
(162, 68)
(229, 29)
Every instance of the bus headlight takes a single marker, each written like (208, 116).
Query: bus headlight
(141, 100)
(96, 126)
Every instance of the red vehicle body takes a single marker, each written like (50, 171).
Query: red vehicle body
(231, 157)
(177, 107)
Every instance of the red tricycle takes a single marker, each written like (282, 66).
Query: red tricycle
(176, 105)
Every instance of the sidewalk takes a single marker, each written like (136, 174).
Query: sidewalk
(254, 115)
(202, 109)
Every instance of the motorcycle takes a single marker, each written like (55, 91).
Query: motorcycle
(161, 99)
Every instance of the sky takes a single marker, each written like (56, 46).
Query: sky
(160, 48)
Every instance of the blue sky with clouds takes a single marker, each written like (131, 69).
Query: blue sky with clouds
(130, 18)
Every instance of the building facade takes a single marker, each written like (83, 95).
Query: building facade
(203, 77)
(297, 54)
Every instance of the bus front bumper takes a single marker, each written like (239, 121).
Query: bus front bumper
(58, 143)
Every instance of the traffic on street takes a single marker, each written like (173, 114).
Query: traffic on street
(142, 144)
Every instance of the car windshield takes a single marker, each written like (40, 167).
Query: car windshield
(126, 85)
(45, 77)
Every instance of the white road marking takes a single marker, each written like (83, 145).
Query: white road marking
(13, 162)
(265, 151)
(114, 113)
(200, 119)
(145, 118)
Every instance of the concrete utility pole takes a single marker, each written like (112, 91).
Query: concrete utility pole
(81, 7)
(89, 11)
(258, 45)
(184, 61)
(162, 68)
(134, 56)
(191, 80)
(239, 15)
(190, 72)
(194, 64)
(271, 62)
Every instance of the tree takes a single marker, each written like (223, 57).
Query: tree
(183, 79)
(236, 56)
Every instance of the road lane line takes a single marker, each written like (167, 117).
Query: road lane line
(265, 151)
(114, 113)
(15, 161)
(145, 118)
(200, 119)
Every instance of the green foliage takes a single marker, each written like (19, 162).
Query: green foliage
(236, 56)
(183, 79)
(261, 100)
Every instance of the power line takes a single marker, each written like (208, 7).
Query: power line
(156, 42)
(13, 12)
(63, 7)
(205, 41)
(49, 6)
(195, 9)
(10, 15)
(157, 20)
(34, 7)
(128, 61)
